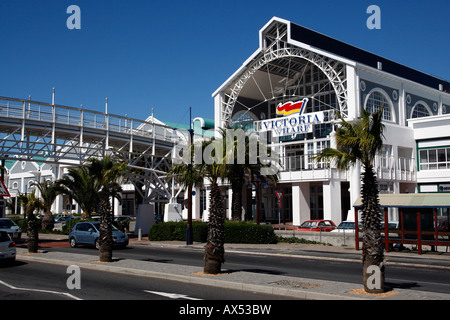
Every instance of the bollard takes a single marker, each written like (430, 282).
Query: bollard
(140, 234)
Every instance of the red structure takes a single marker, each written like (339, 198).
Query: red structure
(419, 223)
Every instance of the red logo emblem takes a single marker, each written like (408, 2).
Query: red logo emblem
(291, 107)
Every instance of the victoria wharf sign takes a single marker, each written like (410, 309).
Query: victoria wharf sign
(294, 121)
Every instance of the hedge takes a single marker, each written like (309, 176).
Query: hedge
(235, 232)
(176, 231)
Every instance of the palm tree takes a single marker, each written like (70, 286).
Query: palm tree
(108, 174)
(214, 171)
(81, 186)
(238, 157)
(32, 203)
(361, 141)
(49, 191)
(188, 177)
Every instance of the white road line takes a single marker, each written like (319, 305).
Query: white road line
(172, 295)
(40, 290)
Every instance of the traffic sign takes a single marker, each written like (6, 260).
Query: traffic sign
(3, 191)
(279, 195)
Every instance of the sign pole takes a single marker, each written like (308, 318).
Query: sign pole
(279, 196)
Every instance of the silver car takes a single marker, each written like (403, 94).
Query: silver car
(7, 248)
(11, 228)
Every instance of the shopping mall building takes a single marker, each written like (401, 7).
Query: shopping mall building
(318, 75)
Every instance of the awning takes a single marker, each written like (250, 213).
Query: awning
(412, 200)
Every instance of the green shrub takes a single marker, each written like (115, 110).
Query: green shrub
(235, 232)
(249, 232)
(176, 231)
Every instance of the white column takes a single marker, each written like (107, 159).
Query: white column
(196, 204)
(300, 203)
(208, 202)
(230, 199)
(332, 200)
(355, 188)
(353, 104)
(117, 207)
(218, 112)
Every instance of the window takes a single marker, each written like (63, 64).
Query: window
(243, 121)
(385, 156)
(420, 110)
(386, 187)
(377, 100)
(434, 159)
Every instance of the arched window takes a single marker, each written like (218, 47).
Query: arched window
(243, 121)
(420, 110)
(377, 100)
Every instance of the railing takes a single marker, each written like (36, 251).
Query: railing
(80, 117)
(388, 168)
(302, 163)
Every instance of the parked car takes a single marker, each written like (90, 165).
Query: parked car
(88, 233)
(11, 228)
(7, 248)
(60, 218)
(317, 225)
(443, 223)
(347, 226)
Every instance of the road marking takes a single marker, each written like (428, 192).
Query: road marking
(40, 290)
(172, 295)
(285, 252)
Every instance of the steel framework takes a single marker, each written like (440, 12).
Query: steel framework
(276, 47)
(31, 131)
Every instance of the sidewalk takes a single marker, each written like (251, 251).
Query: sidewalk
(291, 287)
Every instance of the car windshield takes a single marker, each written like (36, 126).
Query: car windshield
(4, 237)
(97, 226)
(346, 225)
(6, 223)
(309, 224)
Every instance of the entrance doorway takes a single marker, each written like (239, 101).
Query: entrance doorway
(316, 201)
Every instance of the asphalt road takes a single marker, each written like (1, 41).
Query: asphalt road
(41, 281)
(415, 278)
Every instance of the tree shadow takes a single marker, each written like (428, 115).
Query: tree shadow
(389, 286)
(158, 260)
(260, 271)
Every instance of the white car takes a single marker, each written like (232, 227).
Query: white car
(11, 228)
(7, 248)
(347, 227)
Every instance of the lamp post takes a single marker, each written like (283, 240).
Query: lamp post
(189, 231)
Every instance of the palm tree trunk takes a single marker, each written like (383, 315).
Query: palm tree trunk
(85, 216)
(236, 197)
(214, 249)
(32, 233)
(48, 222)
(106, 241)
(372, 249)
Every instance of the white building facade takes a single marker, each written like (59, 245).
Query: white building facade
(295, 64)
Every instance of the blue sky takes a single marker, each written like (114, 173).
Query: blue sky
(172, 55)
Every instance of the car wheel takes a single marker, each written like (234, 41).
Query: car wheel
(97, 244)
(73, 242)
